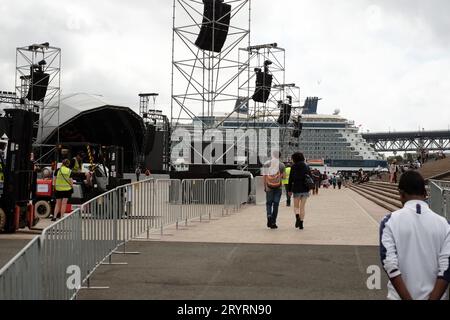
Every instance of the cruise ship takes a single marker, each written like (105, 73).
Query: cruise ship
(337, 143)
(329, 142)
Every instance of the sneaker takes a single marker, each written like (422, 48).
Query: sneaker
(53, 219)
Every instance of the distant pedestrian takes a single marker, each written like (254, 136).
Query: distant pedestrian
(138, 173)
(285, 182)
(334, 180)
(273, 172)
(415, 245)
(393, 170)
(299, 188)
(339, 180)
(360, 176)
(316, 175)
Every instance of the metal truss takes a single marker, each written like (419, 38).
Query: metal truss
(204, 82)
(409, 141)
(8, 97)
(153, 117)
(269, 112)
(47, 59)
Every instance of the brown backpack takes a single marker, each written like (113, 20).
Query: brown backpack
(274, 180)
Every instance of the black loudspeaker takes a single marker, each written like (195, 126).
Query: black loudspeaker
(38, 85)
(298, 128)
(263, 86)
(154, 159)
(215, 25)
(149, 139)
(19, 167)
(285, 113)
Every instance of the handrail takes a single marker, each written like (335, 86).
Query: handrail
(18, 255)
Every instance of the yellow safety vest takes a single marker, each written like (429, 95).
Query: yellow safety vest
(287, 172)
(76, 166)
(63, 179)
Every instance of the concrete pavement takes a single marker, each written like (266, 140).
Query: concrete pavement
(237, 257)
(205, 271)
(334, 217)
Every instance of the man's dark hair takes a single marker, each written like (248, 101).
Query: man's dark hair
(412, 183)
(298, 157)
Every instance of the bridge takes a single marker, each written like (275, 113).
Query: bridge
(409, 141)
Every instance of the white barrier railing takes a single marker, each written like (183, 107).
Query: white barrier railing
(18, 280)
(440, 197)
(74, 247)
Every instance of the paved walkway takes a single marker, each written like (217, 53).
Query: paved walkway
(237, 257)
(334, 217)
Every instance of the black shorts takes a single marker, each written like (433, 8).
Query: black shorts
(63, 194)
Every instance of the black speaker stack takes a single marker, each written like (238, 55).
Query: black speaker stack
(215, 25)
(38, 85)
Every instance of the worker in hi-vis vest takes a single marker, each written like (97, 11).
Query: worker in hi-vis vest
(77, 163)
(285, 182)
(63, 189)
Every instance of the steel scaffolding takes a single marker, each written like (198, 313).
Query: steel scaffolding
(46, 59)
(267, 114)
(205, 82)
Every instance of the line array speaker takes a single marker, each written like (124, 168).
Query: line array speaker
(215, 25)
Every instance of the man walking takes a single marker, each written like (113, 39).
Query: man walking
(138, 173)
(415, 245)
(273, 172)
(339, 180)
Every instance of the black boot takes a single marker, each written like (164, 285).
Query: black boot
(297, 221)
(269, 222)
(300, 225)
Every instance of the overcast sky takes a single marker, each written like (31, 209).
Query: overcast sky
(383, 63)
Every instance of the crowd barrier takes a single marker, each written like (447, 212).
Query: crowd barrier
(440, 197)
(59, 262)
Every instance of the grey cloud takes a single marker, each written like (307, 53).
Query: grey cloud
(379, 67)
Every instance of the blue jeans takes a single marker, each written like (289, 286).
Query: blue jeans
(273, 197)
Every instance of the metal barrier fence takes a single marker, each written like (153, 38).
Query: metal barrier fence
(193, 192)
(440, 197)
(74, 247)
(214, 197)
(18, 278)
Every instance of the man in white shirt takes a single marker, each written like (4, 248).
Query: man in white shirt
(415, 245)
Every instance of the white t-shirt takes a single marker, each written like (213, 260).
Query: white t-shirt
(415, 243)
(272, 167)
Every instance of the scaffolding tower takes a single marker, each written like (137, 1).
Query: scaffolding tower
(205, 82)
(267, 115)
(38, 85)
(160, 123)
